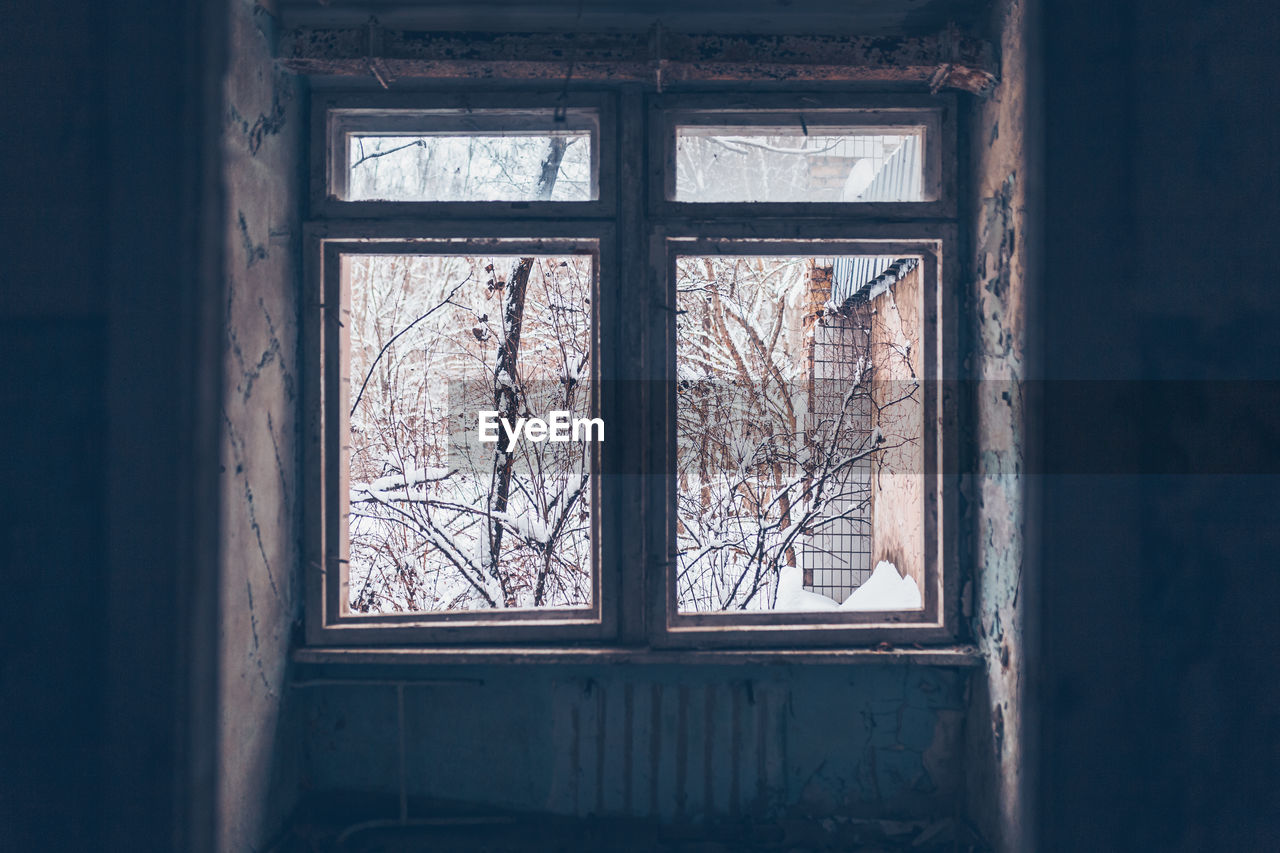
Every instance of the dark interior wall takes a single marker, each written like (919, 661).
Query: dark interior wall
(108, 508)
(261, 136)
(1160, 501)
(669, 743)
(53, 343)
(995, 317)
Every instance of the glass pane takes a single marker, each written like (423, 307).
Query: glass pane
(790, 164)
(798, 434)
(550, 166)
(440, 517)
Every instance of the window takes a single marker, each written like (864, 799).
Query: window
(497, 155)
(662, 371)
(794, 386)
(439, 519)
(760, 162)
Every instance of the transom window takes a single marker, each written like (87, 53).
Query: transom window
(495, 155)
(662, 371)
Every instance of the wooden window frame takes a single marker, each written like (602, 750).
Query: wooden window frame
(938, 621)
(634, 233)
(333, 115)
(935, 113)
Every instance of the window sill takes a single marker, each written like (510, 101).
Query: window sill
(952, 656)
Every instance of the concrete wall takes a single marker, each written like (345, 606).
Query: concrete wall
(261, 589)
(995, 314)
(671, 743)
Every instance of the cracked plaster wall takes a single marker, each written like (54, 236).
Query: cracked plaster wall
(995, 494)
(261, 590)
(663, 742)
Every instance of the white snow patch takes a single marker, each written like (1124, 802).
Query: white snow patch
(531, 527)
(885, 590)
(412, 476)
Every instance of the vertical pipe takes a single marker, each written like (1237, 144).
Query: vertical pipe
(404, 782)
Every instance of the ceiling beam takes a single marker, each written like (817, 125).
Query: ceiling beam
(947, 60)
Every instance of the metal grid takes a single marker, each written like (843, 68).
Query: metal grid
(836, 557)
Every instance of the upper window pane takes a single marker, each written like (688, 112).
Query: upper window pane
(502, 155)
(758, 163)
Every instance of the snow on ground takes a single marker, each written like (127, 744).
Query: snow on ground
(884, 590)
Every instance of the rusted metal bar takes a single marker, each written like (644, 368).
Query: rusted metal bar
(947, 60)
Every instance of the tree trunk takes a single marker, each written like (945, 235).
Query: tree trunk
(551, 167)
(506, 400)
(506, 383)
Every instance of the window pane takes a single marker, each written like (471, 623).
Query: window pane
(798, 434)
(545, 166)
(439, 518)
(791, 164)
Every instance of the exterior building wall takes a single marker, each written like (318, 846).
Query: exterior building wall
(897, 477)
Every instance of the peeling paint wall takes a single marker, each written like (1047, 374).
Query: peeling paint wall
(995, 494)
(261, 592)
(671, 743)
(854, 17)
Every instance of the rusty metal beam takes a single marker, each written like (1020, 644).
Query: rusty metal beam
(947, 60)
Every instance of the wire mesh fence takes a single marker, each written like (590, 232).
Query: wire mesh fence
(836, 555)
